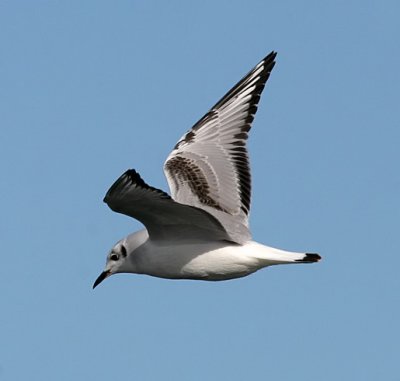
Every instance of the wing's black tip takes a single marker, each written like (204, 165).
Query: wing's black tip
(129, 175)
(310, 258)
(269, 61)
(128, 179)
(135, 178)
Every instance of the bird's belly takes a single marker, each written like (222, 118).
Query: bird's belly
(204, 261)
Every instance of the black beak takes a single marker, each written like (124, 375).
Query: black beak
(101, 277)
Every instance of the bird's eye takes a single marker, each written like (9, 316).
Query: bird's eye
(114, 257)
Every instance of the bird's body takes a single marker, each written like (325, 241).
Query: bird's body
(201, 260)
(201, 231)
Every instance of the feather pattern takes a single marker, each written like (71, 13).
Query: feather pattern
(209, 166)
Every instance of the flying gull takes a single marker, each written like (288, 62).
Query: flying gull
(200, 231)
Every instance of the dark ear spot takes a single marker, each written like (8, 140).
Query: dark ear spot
(123, 251)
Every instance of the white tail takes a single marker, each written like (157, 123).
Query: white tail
(272, 256)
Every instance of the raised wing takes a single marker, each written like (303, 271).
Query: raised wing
(163, 217)
(209, 166)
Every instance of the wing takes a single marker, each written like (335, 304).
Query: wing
(209, 166)
(164, 218)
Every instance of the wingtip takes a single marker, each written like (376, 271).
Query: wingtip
(271, 56)
(131, 178)
(130, 174)
(268, 62)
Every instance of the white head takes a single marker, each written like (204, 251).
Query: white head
(120, 258)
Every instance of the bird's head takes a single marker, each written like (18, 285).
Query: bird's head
(122, 257)
(115, 262)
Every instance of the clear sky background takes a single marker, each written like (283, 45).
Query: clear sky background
(89, 89)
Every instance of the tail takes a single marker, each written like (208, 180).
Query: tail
(309, 258)
(271, 256)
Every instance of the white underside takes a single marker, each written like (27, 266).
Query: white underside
(205, 260)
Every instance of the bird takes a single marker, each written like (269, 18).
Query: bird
(201, 230)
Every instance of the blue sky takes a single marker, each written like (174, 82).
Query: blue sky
(90, 89)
